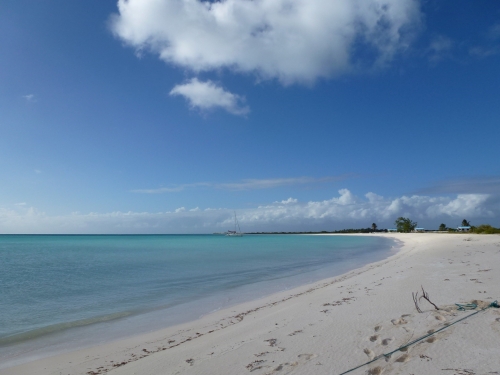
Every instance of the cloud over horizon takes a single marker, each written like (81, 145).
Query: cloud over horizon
(294, 41)
(343, 211)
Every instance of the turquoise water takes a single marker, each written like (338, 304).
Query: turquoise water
(58, 292)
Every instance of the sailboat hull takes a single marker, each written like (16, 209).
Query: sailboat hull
(235, 232)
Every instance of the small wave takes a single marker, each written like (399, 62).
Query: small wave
(55, 328)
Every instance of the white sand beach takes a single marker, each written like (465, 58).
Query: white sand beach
(334, 325)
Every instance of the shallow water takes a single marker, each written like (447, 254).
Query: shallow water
(64, 292)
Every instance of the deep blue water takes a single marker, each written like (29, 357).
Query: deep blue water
(57, 288)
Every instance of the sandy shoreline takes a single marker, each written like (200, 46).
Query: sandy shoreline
(331, 326)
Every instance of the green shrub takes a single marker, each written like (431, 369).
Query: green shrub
(486, 229)
(405, 225)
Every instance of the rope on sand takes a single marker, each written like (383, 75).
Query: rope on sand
(461, 307)
(467, 306)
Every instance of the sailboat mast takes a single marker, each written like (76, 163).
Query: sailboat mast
(236, 223)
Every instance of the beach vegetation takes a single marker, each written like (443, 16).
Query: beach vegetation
(357, 230)
(486, 229)
(442, 227)
(405, 225)
(370, 229)
(465, 223)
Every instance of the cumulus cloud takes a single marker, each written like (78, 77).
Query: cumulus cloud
(341, 211)
(288, 201)
(348, 210)
(291, 40)
(207, 95)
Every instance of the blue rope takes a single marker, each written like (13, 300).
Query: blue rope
(466, 306)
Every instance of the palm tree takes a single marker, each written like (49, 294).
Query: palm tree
(374, 227)
(465, 223)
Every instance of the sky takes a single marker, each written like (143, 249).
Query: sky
(166, 116)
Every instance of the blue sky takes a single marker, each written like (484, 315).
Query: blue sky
(164, 116)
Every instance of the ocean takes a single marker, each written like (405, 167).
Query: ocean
(64, 292)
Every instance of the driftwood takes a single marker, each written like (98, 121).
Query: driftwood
(415, 301)
(425, 296)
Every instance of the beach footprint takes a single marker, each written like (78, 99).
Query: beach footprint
(370, 353)
(271, 342)
(375, 371)
(255, 365)
(403, 358)
(387, 341)
(285, 368)
(440, 318)
(306, 356)
(399, 321)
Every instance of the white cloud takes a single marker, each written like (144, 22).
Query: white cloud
(342, 211)
(159, 190)
(246, 184)
(348, 210)
(38, 171)
(207, 95)
(171, 189)
(20, 204)
(494, 32)
(252, 184)
(288, 201)
(490, 46)
(440, 48)
(484, 51)
(30, 98)
(291, 40)
(465, 185)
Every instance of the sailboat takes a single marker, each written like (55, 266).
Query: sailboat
(235, 233)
